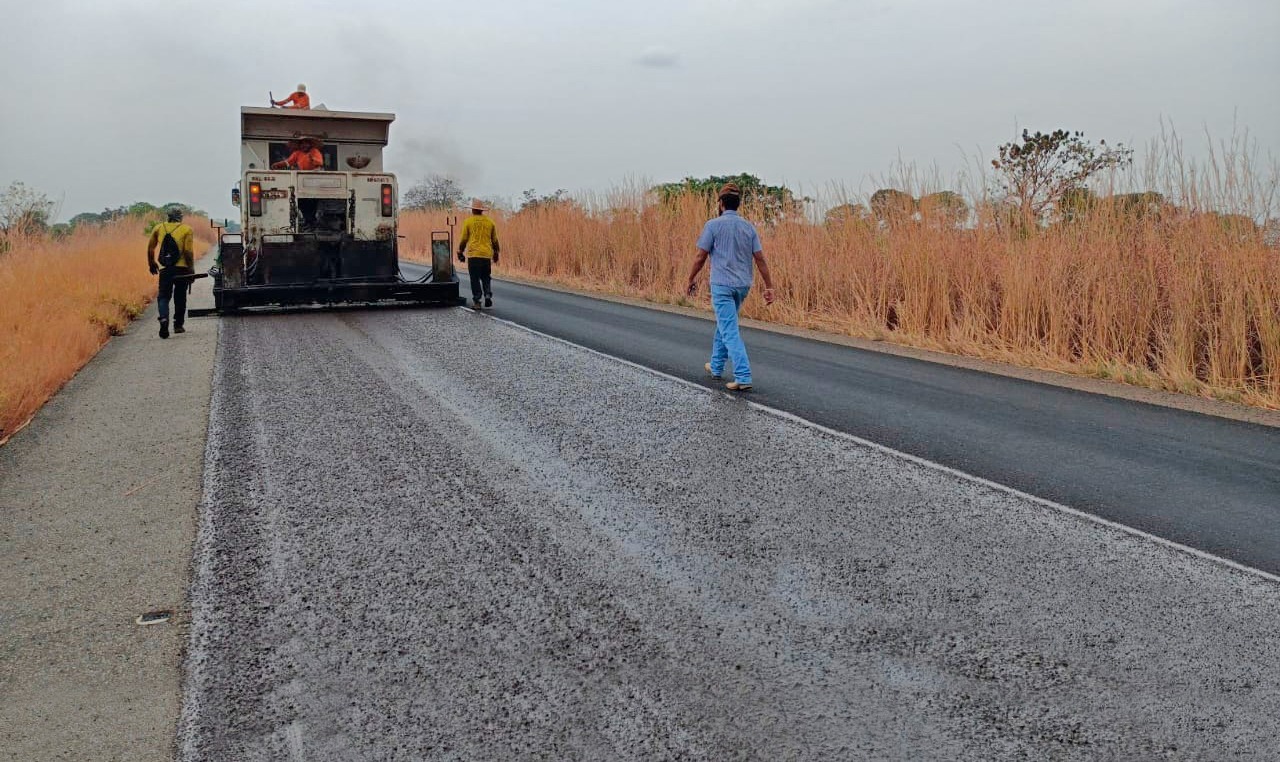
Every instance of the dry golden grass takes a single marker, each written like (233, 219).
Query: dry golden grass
(59, 302)
(1176, 301)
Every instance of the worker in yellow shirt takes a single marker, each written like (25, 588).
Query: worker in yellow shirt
(479, 242)
(176, 242)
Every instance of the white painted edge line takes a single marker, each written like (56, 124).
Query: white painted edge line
(917, 460)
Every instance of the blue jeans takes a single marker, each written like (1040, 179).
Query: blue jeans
(727, 345)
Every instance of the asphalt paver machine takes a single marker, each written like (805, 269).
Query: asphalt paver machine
(322, 236)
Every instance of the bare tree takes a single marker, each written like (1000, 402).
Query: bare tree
(24, 211)
(435, 192)
(1038, 171)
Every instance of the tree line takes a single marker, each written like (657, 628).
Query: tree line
(25, 211)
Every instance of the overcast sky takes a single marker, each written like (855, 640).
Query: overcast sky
(110, 102)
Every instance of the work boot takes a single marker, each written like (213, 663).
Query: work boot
(475, 304)
(488, 301)
(177, 328)
(164, 329)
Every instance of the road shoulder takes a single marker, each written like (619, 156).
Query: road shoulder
(98, 499)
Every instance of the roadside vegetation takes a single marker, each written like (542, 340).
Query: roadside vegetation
(63, 292)
(1059, 254)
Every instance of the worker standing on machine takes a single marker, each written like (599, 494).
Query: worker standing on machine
(297, 99)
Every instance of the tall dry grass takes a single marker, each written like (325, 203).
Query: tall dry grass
(60, 300)
(1184, 298)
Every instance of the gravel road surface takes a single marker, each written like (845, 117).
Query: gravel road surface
(1200, 480)
(430, 535)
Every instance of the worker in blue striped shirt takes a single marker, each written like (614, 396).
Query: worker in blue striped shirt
(733, 246)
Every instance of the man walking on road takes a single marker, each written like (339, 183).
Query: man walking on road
(479, 242)
(177, 259)
(733, 245)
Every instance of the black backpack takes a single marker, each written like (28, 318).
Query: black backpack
(170, 253)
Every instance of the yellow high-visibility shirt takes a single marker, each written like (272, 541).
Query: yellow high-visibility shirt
(479, 237)
(182, 235)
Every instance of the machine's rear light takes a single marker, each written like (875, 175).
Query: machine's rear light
(386, 200)
(255, 199)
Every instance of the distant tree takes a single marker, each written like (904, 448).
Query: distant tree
(1139, 205)
(142, 207)
(85, 218)
(495, 204)
(848, 214)
(946, 207)
(435, 192)
(1075, 203)
(890, 205)
(1037, 171)
(1239, 227)
(771, 203)
(534, 202)
(23, 210)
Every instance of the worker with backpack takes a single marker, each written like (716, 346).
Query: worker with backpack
(175, 266)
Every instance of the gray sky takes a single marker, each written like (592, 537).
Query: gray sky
(123, 100)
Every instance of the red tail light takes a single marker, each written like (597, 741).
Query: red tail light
(255, 199)
(386, 200)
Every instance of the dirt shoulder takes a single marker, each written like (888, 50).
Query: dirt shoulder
(1189, 403)
(98, 502)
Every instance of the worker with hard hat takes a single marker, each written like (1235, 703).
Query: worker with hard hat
(479, 242)
(298, 99)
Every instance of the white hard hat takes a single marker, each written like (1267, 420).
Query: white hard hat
(302, 88)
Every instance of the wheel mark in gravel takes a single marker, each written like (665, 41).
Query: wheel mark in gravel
(394, 375)
(650, 544)
(792, 417)
(385, 359)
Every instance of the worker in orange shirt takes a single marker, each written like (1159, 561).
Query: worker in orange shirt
(306, 156)
(298, 99)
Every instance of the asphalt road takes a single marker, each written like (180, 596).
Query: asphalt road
(1206, 482)
(426, 534)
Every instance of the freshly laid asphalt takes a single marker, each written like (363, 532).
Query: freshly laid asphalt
(1203, 481)
(426, 534)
